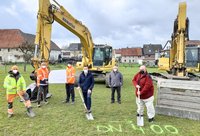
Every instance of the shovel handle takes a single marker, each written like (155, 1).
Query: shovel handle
(82, 98)
(138, 95)
(20, 96)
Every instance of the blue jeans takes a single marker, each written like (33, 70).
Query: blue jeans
(87, 99)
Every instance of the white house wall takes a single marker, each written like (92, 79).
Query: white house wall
(118, 55)
(54, 55)
(132, 59)
(14, 55)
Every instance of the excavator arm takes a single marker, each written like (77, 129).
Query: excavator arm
(47, 14)
(98, 58)
(179, 38)
(175, 63)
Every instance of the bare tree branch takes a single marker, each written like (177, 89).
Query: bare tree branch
(28, 50)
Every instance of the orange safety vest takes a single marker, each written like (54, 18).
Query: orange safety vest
(70, 75)
(42, 74)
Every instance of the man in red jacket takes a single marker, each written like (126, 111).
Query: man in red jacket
(144, 87)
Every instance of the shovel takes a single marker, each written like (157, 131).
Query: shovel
(88, 115)
(140, 119)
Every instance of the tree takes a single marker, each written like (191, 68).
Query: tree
(28, 50)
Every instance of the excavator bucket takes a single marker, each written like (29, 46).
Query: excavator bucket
(179, 98)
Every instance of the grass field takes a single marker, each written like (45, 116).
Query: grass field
(61, 119)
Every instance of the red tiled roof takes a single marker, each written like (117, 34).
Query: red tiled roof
(10, 38)
(131, 51)
(190, 42)
(13, 38)
(193, 42)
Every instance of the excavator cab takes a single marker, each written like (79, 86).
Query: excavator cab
(192, 59)
(102, 55)
(192, 56)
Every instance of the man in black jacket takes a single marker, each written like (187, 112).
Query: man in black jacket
(86, 83)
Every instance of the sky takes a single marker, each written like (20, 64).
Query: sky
(119, 23)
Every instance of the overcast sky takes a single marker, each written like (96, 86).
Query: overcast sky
(119, 23)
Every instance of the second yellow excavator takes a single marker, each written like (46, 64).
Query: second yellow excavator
(178, 93)
(180, 60)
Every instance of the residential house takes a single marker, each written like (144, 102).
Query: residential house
(75, 49)
(131, 55)
(73, 52)
(65, 54)
(12, 39)
(149, 51)
(190, 43)
(117, 53)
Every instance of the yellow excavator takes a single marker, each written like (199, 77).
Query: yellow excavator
(99, 58)
(177, 92)
(180, 60)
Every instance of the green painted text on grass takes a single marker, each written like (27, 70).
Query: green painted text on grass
(154, 128)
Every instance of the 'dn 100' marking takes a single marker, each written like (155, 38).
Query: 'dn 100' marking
(157, 129)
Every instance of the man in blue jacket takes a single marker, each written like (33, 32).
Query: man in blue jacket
(86, 83)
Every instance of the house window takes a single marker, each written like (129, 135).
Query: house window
(17, 56)
(149, 55)
(17, 49)
(0, 49)
(8, 50)
(0, 58)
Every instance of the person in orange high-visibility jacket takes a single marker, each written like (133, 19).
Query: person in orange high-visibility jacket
(42, 82)
(70, 80)
(15, 85)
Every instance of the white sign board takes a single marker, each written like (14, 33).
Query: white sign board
(57, 77)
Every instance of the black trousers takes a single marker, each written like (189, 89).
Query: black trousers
(70, 92)
(42, 91)
(87, 99)
(118, 89)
